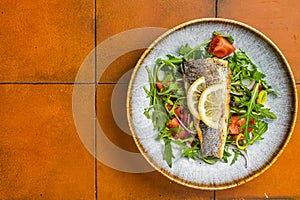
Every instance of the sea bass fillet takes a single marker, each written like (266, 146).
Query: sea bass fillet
(215, 71)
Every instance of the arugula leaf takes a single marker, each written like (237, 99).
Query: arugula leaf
(153, 90)
(226, 153)
(248, 115)
(194, 53)
(147, 113)
(236, 155)
(191, 152)
(159, 117)
(184, 49)
(262, 128)
(168, 155)
(266, 113)
(172, 61)
(258, 75)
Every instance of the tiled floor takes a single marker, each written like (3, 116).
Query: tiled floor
(44, 41)
(43, 45)
(41, 154)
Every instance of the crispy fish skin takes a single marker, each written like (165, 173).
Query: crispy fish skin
(215, 71)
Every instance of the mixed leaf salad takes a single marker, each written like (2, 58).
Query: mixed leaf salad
(170, 115)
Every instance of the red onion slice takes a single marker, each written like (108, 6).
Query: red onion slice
(185, 128)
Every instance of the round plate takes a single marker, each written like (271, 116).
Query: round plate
(262, 154)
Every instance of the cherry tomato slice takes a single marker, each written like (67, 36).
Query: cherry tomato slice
(220, 47)
(180, 135)
(234, 125)
(173, 123)
(160, 86)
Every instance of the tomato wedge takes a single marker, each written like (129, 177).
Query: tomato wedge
(160, 86)
(173, 123)
(235, 125)
(182, 134)
(220, 47)
(178, 112)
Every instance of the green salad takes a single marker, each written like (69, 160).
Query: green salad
(169, 111)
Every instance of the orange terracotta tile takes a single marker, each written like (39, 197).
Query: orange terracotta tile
(277, 19)
(151, 185)
(43, 41)
(41, 155)
(116, 183)
(280, 181)
(113, 72)
(115, 18)
(112, 116)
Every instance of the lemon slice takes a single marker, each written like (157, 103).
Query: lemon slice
(211, 105)
(193, 95)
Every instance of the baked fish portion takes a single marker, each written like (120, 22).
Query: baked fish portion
(215, 71)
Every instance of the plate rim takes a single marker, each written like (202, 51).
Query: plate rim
(233, 183)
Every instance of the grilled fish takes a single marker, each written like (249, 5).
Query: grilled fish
(215, 71)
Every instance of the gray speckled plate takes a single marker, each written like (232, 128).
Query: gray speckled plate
(262, 154)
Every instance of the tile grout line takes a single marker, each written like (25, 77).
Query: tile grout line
(216, 8)
(71, 83)
(46, 83)
(62, 83)
(95, 101)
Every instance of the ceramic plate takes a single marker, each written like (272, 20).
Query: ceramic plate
(262, 154)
